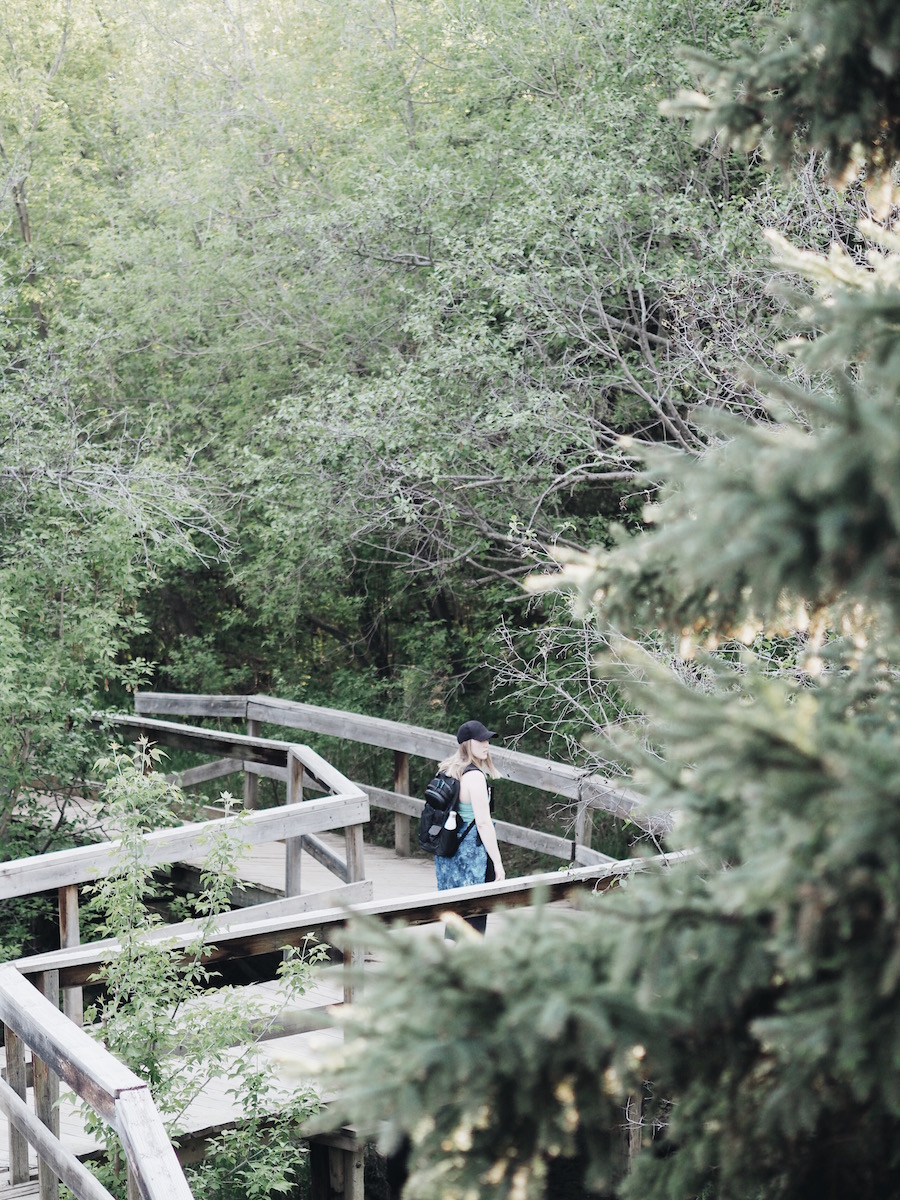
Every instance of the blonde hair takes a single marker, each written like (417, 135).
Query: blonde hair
(462, 758)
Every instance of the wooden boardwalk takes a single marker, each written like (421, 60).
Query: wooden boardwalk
(297, 1056)
(391, 877)
(305, 868)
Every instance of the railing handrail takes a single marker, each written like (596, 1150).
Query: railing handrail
(563, 779)
(89, 957)
(273, 932)
(233, 745)
(83, 864)
(98, 1078)
(81, 1062)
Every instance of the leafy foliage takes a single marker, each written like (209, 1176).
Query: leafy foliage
(749, 997)
(375, 289)
(828, 73)
(161, 1012)
(464, 1054)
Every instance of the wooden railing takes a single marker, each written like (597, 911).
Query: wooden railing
(254, 933)
(296, 823)
(589, 792)
(60, 1051)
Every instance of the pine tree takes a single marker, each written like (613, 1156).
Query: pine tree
(747, 1003)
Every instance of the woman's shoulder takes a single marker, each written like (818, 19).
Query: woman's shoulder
(473, 781)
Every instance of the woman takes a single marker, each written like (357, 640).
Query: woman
(478, 858)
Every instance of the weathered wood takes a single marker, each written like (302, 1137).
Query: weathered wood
(204, 741)
(584, 822)
(17, 1081)
(338, 1173)
(46, 1092)
(82, 964)
(401, 820)
(61, 867)
(321, 770)
(191, 706)
(336, 1168)
(354, 962)
(341, 893)
(69, 925)
(632, 1129)
(294, 845)
(50, 1150)
(265, 771)
(209, 741)
(86, 1066)
(150, 1154)
(393, 801)
(325, 856)
(513, 835)
(371, 731)
(251, 783)
(528, 769)
(561, 778)
(70, 935)
(292, 866)
(546, 843)
(206, 772)
(21, 1191)
(353, 840)
(247, 938)
(187, 879)
(585, 856)
(354, 1166)
(345, 1138)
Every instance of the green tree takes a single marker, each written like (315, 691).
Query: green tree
(92, 505)
(390, 273)
(745, 1004)
(530, 291)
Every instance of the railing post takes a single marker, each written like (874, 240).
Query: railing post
(19, 1171)
(336, 1166)
(354, 958)
(251, 781)
(46, 1092)
(292, 845)
(401, 820)
(584, 820)
(70, 935)
(353, 840)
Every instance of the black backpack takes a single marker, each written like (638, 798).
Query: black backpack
(441, 798)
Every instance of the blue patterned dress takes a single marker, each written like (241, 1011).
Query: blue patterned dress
(469, 864)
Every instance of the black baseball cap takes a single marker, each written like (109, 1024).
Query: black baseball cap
(474, 731)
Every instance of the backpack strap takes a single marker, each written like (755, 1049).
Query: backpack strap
(464, 833)
(472, 767)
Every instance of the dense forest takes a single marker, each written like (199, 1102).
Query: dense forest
(322, 322)
(733, 1019)
(330, 333)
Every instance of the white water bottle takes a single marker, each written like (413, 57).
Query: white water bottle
(450, 823)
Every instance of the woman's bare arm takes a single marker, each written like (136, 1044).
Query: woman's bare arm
(473, 790)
